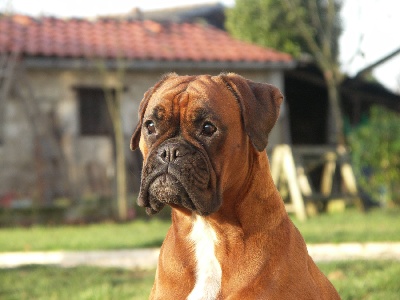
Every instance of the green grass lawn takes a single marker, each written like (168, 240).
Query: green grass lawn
(349, 226)
(138, 234)
(366, 280)
(352, 226)
(81, 283)
(353, 279)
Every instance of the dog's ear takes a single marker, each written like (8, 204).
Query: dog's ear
(259, 104)
(142, 108)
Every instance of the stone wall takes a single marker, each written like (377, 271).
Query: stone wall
(87, 161)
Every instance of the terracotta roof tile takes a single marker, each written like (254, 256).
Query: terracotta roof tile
(139, 40)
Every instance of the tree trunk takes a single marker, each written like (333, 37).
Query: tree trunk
(335, 127)
(114, 108)
(120, 162)
(323, 52)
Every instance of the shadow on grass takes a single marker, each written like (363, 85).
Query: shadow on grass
(156, 243)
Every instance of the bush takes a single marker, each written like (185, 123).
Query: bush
(375, 151)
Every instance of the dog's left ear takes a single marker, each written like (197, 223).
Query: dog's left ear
(259, 103)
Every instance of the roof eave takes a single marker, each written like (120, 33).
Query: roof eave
(154, 65)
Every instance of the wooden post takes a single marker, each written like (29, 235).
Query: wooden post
(276, 163)
(349, 179)
(282, 161)
(304, 184)
(327, 175)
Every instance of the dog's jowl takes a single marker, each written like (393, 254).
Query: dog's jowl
(203, 140)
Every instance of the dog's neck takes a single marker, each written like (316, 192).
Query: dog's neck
(231, 227)
(237, 217)
(255, 192)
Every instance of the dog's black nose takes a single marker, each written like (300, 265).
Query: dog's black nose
(171, 152)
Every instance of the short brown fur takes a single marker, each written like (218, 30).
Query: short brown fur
(261, 253)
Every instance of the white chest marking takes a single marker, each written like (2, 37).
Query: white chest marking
(208, 269)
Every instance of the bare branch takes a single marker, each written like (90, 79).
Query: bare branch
(316, 50)
(329, 28)
(313, 10)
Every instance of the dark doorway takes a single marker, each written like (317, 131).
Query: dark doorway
(308, 109)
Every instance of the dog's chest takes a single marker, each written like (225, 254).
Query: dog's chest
(208, 269)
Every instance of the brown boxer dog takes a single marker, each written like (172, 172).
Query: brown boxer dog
(203, 139)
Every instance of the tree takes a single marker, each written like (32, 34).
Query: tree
(378, 165)
(264, 22)
(113, 95)
(297, 26)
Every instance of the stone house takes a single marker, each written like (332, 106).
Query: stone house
(55, 132)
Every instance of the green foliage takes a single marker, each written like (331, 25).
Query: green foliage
(271, 23)
(375, 148)
(264, 22)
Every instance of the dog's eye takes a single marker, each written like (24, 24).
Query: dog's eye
(208, 129)
(151, 128)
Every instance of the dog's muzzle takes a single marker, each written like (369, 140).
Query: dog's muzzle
(177, 173)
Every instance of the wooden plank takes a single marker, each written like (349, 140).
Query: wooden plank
(328, 173)
(304, 183)
(290, 208)
(276, 163)
(349, 179)
(294, 189)
(319, 150)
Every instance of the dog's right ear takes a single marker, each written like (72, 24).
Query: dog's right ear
(142, 108)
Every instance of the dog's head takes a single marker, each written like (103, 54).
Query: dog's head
(193, 132)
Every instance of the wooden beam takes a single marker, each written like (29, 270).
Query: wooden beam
(372, 66)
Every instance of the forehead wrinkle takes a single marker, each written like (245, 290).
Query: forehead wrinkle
(200, 87)
(176, 93)
(164, 101)
(182, 101)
